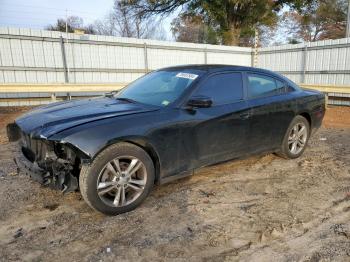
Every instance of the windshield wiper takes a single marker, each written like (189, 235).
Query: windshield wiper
(126, 99)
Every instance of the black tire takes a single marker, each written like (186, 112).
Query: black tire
(285, 150)
(90, 174)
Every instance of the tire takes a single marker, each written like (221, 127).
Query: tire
(106, 188)
(288, 140)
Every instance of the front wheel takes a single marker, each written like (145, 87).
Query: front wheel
(118, 180)
(296, 138)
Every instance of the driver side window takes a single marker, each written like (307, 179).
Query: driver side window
(222, 88)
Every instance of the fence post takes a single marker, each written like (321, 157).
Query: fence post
(256, 48)
(303, 64)
(348, 22)
(145, 56)
(53, 97)
(64, 60)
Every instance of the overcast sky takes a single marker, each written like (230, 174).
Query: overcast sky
(39, 13)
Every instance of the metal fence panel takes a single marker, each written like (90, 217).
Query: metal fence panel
(159, 58)
(39, 56)
(322, 62)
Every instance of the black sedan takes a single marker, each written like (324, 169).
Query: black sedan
(162, 127)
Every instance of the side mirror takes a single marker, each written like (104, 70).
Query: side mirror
(200, 102)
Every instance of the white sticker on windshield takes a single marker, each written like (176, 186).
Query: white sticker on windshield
(187, 76)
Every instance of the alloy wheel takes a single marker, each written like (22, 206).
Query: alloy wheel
(121, 181)
(297, 138)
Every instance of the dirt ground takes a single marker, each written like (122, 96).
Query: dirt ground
(263, 208)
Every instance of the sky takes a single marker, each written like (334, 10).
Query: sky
(40, 13)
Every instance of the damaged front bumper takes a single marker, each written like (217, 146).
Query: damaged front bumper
(39, 160)
(62, 180)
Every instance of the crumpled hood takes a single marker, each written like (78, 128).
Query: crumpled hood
(53, 118)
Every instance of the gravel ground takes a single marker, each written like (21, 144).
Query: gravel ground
(263, 208)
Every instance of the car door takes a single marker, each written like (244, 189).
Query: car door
(271, 111)
(219, 132)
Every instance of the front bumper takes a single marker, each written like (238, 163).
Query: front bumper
(31, 169)
(61, 180)
(39, 160)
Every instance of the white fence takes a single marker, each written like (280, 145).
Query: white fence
(44, 57)
(323, 62)
(38, 56)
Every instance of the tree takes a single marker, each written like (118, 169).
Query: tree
(319, 20)
(231, 20)
(125, 22)
(193, 29)
(73, 23)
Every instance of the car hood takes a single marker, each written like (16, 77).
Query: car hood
(53, 118)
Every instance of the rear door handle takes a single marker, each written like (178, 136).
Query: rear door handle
(245, 115)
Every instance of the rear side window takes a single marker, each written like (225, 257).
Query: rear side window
(222, 88)
(281, 86)
(260, 85)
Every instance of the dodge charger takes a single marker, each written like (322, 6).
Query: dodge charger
(161, 127)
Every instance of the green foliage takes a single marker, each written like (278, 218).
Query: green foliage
(73, 23)
(318, 20)
(193, 29)
(229, 22)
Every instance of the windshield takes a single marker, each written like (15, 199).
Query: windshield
(159, 88)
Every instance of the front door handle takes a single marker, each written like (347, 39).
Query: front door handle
(245, 115)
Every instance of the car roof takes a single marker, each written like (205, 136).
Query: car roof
(210, 68)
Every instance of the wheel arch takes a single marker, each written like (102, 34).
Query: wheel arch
(150, 150)
(143, 143)
(307, 116)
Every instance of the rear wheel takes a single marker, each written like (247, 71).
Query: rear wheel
(296, 138)
(118, 180)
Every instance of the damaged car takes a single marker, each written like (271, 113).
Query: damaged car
(162, 127)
